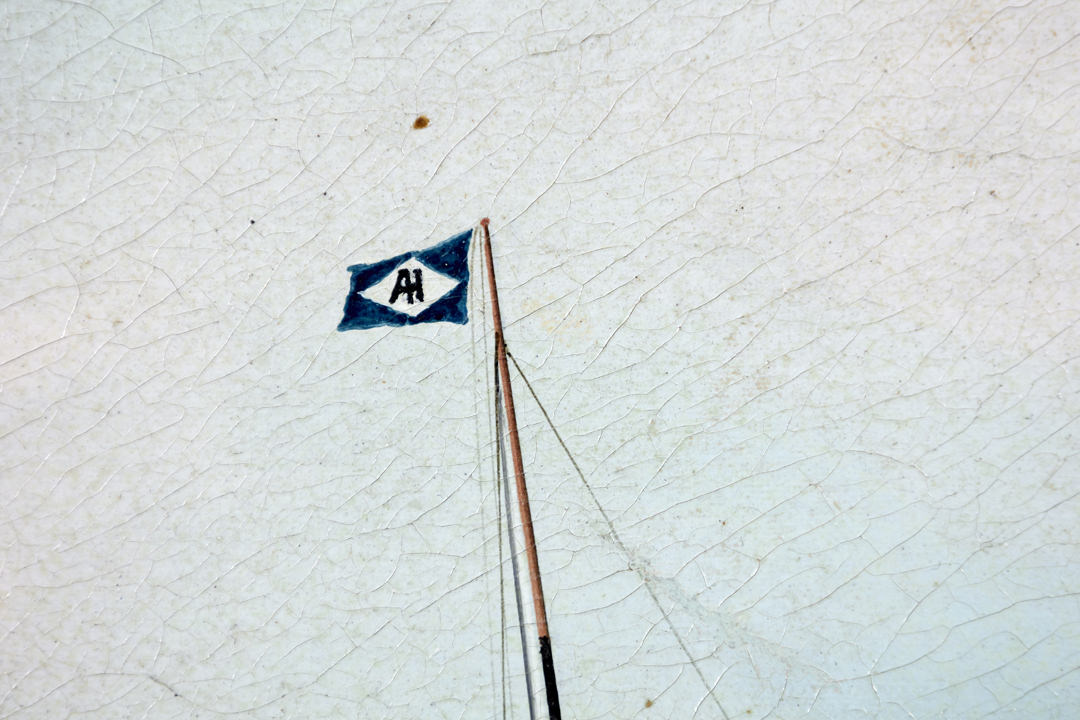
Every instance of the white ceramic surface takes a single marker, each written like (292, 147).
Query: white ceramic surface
(797, 282)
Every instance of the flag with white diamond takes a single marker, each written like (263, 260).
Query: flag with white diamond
(415, 287)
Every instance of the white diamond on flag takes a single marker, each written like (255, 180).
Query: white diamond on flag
(406, 284)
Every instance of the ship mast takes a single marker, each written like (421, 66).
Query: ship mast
(522, 492)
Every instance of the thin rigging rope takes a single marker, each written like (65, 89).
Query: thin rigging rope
(503, 473)
(498, 510)
(618, 541)
(493, 432)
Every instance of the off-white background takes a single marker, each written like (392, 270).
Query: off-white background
(797, 281)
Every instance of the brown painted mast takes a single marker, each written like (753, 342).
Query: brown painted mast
(522, 492)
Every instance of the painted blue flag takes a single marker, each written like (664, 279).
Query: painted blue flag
(416, 287)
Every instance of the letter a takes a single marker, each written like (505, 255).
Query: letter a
(410, 287)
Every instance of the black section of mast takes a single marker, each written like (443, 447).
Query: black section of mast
(549, 678)
(522, 492)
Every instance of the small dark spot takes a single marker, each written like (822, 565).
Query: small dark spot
(420, 122)
(252, 222)
(648, 703)
(994, 193)
(324, 194)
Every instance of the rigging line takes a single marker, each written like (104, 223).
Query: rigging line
(618, 541)
(504, 662)
(479, 299)
(504, 480)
